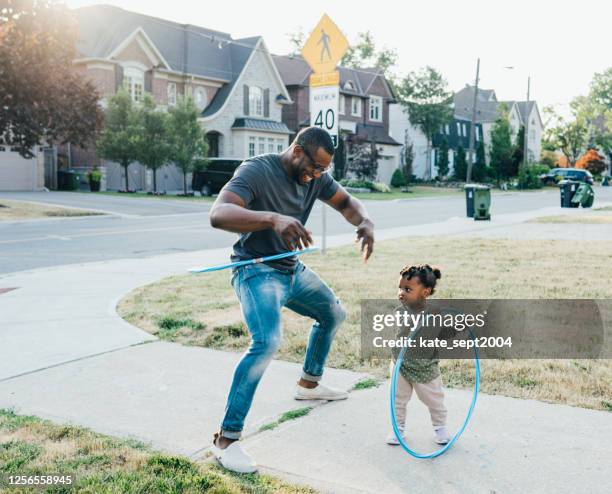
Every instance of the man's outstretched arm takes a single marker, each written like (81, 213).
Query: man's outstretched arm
(229, 213)
(355, 213)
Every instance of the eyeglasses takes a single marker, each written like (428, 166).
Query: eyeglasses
(318, 169)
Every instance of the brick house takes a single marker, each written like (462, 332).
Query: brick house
(233, 82)
(365, 96)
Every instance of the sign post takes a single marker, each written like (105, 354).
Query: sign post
(324, 48)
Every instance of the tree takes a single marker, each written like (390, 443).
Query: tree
(152, 147)
(591, 161)
(340, 159)
(408, 158)
(42, 99)
(479, 172)
(460, 165)
(296, 40)
(398, 179)
(429, 104)
(119, 139)
(188, 146)
(518, 152)
(442, 164)
(501, 145)
(364, 164)
(364, 53)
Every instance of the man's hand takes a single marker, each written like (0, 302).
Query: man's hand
(292, 232)
(365, 233)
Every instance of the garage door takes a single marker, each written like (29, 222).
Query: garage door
(16, 173)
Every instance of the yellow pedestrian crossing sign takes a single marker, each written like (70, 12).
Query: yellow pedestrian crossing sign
(325, 46)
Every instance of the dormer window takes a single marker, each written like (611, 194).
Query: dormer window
(349, 85)
(376, 108)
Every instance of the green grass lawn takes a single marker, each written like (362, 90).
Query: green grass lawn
(415, 192)
(202, 310)
(101, 464)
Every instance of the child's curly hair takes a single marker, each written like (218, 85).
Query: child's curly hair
(427, 275)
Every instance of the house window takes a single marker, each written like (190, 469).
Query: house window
(133, 82)
(270, 145)
(199, 97)
(251, 146)
(477, 133)
(464, 128)
(458, 129)
(355, 106)
(341, 105)
(171, 94)
(279, 146)
(262, 145)
(447, 129)
(376, 108)
(255, 101)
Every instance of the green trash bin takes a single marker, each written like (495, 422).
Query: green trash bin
(68, 180)
(478, 201)
(584, 196)
(568, 189)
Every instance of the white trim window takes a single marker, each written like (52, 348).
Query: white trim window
(261, 141)
(458, 129)
(270, 145)
(356, 106)
(464, 130)
(447, 129)
(341, 104)
(376, 108)
(477, 133)
(251, 146)
(199, 98)
(256, 101)
(279, 146)
(171, 92)
(133, 82)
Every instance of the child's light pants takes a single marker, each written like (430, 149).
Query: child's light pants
(430, 393)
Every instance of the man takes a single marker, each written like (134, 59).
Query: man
(267, 202)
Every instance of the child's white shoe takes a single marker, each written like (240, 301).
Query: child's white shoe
(392, 439)
(442, 435)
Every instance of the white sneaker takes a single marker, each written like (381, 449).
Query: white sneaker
(442, 435)
(392, 438)
(234, 458)
(320, 392)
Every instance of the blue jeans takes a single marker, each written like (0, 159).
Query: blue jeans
(262, 292)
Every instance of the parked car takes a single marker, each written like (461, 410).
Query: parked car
(557, 174)
(216, 175)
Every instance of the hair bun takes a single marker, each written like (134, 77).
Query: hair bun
(437, 273)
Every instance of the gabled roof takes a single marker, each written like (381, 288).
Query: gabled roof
(295, 71)
(260, 124)
(186, 48)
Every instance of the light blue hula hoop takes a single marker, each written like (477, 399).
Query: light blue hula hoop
(254, 261)
(399, 437)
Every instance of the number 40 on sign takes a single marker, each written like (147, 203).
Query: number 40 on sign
(324, 109)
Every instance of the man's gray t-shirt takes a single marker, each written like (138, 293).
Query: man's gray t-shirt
(264, 185)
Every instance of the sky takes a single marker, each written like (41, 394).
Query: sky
(558, 44)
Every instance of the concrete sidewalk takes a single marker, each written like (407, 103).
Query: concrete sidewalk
(66, 355)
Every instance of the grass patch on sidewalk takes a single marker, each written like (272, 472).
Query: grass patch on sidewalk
(105, 465)
(144, 195)
(290, 415)
(18, 210)
(471, 268)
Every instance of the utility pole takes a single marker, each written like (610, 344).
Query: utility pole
(472, 152)
(526, 135)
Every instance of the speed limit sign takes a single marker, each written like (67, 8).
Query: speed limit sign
(324, 109)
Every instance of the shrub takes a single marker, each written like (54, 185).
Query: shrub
(529, 176)
(380, 187)
(398, 179)
(94, 175)
(359, 184)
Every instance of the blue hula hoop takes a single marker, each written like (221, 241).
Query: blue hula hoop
(399, 437)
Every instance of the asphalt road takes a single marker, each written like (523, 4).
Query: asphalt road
(143, 227)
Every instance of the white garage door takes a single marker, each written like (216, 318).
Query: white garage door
(16, 173)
